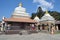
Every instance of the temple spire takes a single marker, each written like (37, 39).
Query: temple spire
(20, 4)
(46, 12)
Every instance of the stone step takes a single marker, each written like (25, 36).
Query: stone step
(24, 32)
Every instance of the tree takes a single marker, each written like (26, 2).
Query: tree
(33, 15)
(39, 12)
(55, 14)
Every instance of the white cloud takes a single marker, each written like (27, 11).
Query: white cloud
(44, 9)
(44, 4)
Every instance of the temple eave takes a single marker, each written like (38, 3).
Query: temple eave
(26, 20)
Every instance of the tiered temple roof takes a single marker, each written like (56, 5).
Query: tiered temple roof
(47, 17)
(37, 19)
(19, 15)
(20, 12)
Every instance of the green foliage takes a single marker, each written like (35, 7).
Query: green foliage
(55, 14)
(40, 13)
(33, 15)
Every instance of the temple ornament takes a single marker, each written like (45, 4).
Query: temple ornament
(20, 4)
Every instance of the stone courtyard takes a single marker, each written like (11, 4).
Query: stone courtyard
(35, 36)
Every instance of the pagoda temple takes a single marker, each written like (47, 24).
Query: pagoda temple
(19, 20)
(47, 21)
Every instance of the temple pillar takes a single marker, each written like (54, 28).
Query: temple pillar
(36, 27)
(41, 27)
(5, 26)
(49, 28)
(52, 30)
(2, 27)
(57, 28)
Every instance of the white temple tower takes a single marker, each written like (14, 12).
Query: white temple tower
(20, 12)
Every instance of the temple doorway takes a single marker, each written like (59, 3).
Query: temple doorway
(38, 27)
(59, 26)
(22, 26)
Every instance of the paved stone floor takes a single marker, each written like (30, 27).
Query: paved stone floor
(36, 36)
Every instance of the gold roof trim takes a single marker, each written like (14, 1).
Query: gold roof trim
(46, 12)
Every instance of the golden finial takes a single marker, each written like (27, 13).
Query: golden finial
(46, 11)
(36, 16)
(20, 4)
